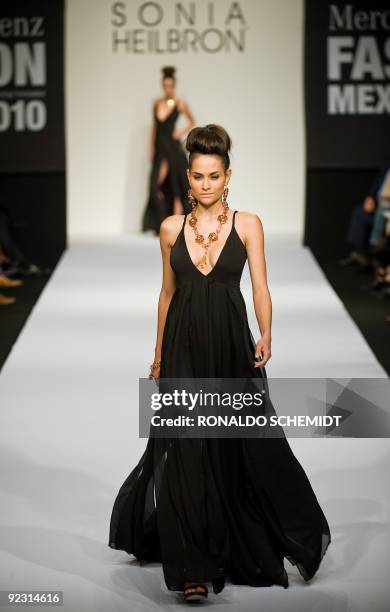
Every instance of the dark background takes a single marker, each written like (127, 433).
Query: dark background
(344, 153)
(32, 164)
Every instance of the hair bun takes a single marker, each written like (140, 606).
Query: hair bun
(212, 139)
(168, 71)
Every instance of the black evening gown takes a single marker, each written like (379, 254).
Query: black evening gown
(161, 197)
(216, 508)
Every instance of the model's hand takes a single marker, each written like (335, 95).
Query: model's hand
(155, 375)
(176, 136)
(263, 350)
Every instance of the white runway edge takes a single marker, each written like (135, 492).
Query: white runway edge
(69, 434)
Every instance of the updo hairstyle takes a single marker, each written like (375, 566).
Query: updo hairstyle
(212, 139)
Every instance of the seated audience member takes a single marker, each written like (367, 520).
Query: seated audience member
(366, 230)
(14, 262)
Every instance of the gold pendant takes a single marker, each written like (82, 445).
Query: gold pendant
(203, 262)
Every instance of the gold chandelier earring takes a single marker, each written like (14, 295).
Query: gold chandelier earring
(224, 197)
(191, 199)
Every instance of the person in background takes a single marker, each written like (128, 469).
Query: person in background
(369, 236)
(12, 260)
(366, 231)
(6, 282)
(168, 183)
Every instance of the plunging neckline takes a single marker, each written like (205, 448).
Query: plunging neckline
(220, 253)
(168, 115)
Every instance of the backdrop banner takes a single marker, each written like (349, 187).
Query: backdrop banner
(31, 86)
(347, 90)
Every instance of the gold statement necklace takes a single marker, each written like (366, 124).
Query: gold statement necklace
(212, 237)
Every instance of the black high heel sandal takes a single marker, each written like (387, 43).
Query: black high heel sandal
(195, 591)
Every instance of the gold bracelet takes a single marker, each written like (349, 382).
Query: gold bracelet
(155, 364)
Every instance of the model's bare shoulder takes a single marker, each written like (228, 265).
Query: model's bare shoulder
(248, 224)
(170, 228)
(250, 218)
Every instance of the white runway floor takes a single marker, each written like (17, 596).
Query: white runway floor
(69, 435)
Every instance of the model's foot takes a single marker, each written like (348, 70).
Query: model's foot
(195, 591)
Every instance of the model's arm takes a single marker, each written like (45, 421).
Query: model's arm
(152, 142)
(254, 242)
(167, 238)
(189, 125)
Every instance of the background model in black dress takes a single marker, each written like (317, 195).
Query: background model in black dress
(175, 184)
(216, 507)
